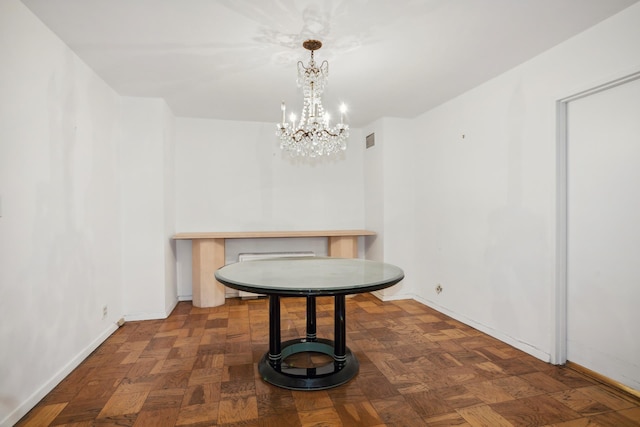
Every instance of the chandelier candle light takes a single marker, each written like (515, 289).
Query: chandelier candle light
(312, 136)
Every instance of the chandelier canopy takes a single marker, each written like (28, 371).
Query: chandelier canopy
(312, 135)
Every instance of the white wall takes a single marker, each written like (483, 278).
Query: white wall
(232, 176)
(374, 176)
(389, 168)
(148, 209)
(486, 201)
(60, 239)
(169, 211)
(603, 237)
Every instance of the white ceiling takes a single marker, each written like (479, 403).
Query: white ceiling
(236, 59)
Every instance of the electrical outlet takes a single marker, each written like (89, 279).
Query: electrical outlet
(438, 288)
(105, 311)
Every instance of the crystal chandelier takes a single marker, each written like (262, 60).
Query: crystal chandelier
(312, 135)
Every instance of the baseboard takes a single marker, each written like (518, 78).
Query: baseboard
(154, 315)
(603, 379)
(46, 388)
(526, 347)
(378, 294)
(396, 297)
(145, 316)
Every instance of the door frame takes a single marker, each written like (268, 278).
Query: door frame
(559, 294)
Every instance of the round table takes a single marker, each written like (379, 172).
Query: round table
(309, 277)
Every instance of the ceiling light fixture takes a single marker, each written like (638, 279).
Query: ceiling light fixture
(312, 136)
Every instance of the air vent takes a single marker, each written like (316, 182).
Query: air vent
(371, 140)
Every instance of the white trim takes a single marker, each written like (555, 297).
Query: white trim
(378, 294)
(145, 316)
(559, 293)
(382, 297)
(152, 315)
(49, 385)
(507, 339)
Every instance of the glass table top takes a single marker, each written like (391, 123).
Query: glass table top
(309, 276)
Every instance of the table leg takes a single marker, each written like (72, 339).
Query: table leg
(340, 330)
(275, 352)
(274, 368)
(311, 318)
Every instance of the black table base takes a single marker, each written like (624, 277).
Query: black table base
(275, 370)
(330, 375)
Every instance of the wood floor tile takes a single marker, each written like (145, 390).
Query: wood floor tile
(44, 415)
(174, 379)
(570, 378)
(358, 414)
(237, 388)
(608, 398)
(517, 387)
(206, 414)
(488, 392)
(489, 370)
(632, 414)
(376, 387)
(157, 417)
(544, 382)
(418, 368)
(451, 419)
(458, 397)
(124, 403)
(240, 409)
(325, 417)
(202, 394)
(80, 410)
(483, 416)
(580, 402)
(164, 398)
(396, 410)
(205, 376)
(292, 420)
(614, 419)
(312, 400)
(534, 411)
(428, 403)
(580, 422)
(278, 404)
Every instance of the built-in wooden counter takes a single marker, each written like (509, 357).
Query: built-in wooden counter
(208, 255)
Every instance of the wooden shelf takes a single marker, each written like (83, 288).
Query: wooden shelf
(208, 255)
(269, 234)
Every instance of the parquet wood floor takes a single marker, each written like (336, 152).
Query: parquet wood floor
(418, 367)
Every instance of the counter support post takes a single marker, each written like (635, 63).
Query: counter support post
(207, 255)
(343, 246)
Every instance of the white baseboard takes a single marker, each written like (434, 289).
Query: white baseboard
(396, 297)
(507, 339)
(151, 315)
(50, 384)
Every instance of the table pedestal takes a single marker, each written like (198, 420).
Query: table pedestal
(276, 371)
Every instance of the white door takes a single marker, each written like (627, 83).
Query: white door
(603, 240)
